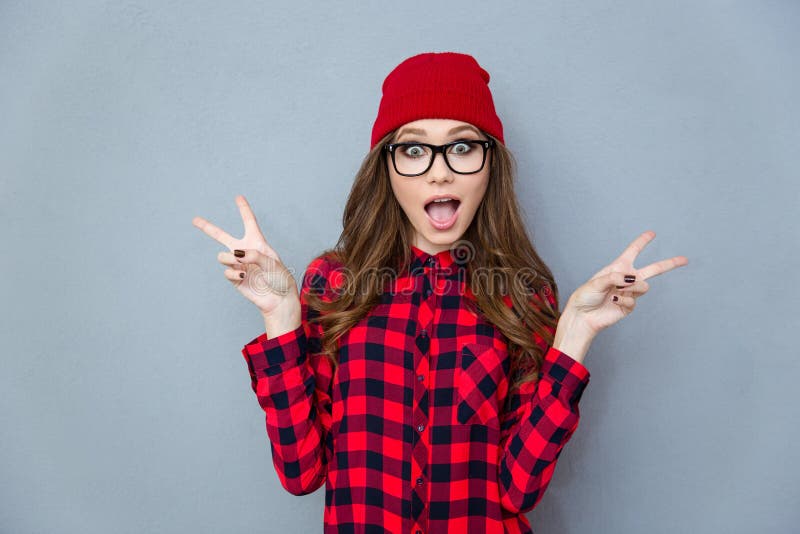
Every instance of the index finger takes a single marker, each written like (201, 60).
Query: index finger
(213, 231)
(660, 267)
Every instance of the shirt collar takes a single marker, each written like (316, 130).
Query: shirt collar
(439, 261)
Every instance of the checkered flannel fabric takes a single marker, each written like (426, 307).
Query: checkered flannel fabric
(417, 431)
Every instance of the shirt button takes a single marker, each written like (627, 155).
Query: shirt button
(419, 481)
(420, 378)
(427, 293)
(418, 532)
(420, 427)
(423, 333)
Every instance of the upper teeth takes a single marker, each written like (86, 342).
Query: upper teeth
(442, 199)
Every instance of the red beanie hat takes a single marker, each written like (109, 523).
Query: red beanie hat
(437, 85)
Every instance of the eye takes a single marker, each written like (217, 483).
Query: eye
(461, 147)
(414, 150)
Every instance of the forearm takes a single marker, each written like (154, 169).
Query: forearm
(292, 382)
(545, 415)
(295, 404)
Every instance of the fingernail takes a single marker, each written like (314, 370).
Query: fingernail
(630, 278)
(615, 298)
(241, 275)
(238, 253)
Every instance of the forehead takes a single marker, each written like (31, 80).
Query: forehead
(435, 127)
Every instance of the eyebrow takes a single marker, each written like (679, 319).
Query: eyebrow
(420, 131)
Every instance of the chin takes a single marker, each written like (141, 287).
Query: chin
(444, 238)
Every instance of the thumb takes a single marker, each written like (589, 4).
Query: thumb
(253, 257)
(612, 280)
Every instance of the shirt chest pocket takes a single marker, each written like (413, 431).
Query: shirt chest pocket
(482, 385)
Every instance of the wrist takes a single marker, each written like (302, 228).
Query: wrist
(281, 320)
(572, 337)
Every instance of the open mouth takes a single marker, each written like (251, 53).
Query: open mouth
(442, 213)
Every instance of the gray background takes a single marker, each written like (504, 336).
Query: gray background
(125, 403)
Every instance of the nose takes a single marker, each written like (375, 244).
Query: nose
(439, 169)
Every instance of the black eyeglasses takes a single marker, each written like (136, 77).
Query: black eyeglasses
(466, 156)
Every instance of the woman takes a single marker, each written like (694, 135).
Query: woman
(423, 372)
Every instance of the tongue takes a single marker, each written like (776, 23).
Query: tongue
(441, 211)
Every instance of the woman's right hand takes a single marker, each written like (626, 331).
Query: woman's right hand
(267, 282)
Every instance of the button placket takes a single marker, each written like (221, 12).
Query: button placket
(422, 400)
(420, 448)
(433, 274)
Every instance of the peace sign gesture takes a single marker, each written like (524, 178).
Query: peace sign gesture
(254, 268)
(611, 294)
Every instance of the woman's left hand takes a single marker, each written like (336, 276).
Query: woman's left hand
(593, 305)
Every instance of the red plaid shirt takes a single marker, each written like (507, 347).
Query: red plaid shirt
(417, 431)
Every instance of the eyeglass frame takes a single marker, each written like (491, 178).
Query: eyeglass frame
(487, 144)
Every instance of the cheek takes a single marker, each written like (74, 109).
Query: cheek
(404, 193)
(483, 183)
(479, 191)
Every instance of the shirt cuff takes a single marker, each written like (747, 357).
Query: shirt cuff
(263, 354)
(565, 369)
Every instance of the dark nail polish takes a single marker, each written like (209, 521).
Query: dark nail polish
(630, 278)
(615, 298)
(241, 275)
(620, 287)
(238, 253)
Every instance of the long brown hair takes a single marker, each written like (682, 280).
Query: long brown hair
(377, 235)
